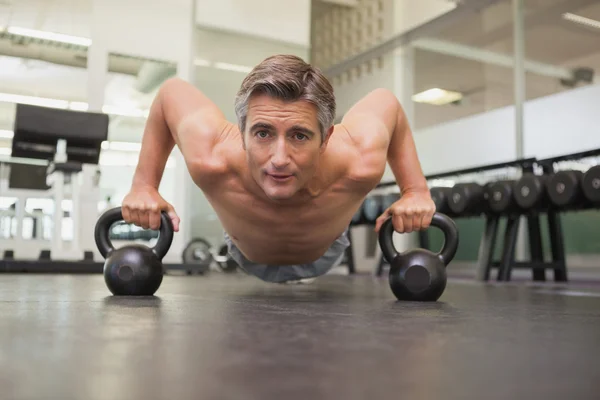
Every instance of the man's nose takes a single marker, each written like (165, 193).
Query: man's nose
(280, 157)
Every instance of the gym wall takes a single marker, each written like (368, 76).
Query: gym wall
(254, 19)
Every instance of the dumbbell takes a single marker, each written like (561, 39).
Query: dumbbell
(467, 199)
(591, 185)
(440, 196)
(197, 252)
(564, 189)
(499, 196)
(530, 192)
(357, 217)
(389, 199)
(372, 208)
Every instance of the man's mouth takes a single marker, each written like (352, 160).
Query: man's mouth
(280, 177)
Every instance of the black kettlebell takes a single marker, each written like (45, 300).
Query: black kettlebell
(133, 270)
(419, 275)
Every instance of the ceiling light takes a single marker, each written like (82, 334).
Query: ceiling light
(233, 67)
(201, 63)
(437, 97)
(52, 36)
(125, 112)
(578, 19)
(5, 134)
(72, 105)
(32, 100)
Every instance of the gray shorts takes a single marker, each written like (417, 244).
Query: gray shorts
(284, 273)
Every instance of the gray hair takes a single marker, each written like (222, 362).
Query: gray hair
(288, 78)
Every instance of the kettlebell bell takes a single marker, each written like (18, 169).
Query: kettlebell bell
(132, 270)
(420, 274)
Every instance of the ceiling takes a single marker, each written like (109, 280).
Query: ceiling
(39, 69)
(549, 39)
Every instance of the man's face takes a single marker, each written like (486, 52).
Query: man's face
(283, 145)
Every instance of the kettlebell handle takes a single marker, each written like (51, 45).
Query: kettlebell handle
(101, 233)
(442, 221)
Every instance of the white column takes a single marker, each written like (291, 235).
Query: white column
(184, 184)
(154, 29)
(404, 78)
(97, 68)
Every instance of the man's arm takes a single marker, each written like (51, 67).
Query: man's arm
(182, 115)
(378, 125)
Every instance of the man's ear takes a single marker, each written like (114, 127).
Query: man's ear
(327, 136)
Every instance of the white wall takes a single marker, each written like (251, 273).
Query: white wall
(563, 123)
(287, 21)
(473, 141)
(149, 28)
(554, 125)
(409, 14)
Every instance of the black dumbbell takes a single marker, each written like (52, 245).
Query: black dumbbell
(372, 208)
(591, 185)
(440, 196)
(388, 200)
(564, 189)
(197, 252)
(500, 199)
(357, 217)
(467, 199)
(530, 192)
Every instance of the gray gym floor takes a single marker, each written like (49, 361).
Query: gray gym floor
(234, 337)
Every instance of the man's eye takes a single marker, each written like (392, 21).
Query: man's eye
(301, 136)
(262, 134)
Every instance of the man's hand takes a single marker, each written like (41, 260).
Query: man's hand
(412, 212)
(143, 206)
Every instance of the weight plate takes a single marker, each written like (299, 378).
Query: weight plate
(458, 199)
(372, 207)
(388, 200)
(440, 195)
(529, 191)
(466, 198)
(500, 196)
(356, 216)
(563, 187)
(591, 184)
(197, 252)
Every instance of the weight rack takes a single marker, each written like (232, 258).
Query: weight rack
(507, 262)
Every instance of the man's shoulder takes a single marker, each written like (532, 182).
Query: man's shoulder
(226, 158)
(359, 160)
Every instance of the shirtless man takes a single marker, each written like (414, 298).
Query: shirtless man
(284, 181)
